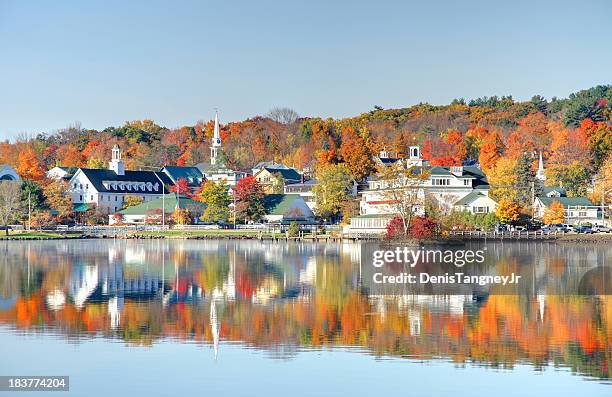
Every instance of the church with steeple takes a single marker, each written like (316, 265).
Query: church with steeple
(216, 170)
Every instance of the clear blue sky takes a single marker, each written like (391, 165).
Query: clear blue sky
(102, 63)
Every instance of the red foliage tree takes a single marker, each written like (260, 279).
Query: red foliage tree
(395, 229)
(181, 187)
(422, 227)
(447, 150)
(249, 199)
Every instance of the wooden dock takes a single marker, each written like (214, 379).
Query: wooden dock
(515, 235)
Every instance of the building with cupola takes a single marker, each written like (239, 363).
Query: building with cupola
(107, 188)
(451, 188)
(217, 170)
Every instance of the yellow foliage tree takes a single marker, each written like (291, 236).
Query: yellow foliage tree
(130, 201)
(181, 216)
(554, 214)
(508, 211)
(502, 178)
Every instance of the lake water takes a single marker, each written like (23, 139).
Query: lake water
(235, 318)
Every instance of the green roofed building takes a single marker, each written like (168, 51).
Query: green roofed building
(578, 210)
(170, 202)
(286, 208)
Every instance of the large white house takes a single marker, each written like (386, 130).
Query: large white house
(107, 189)
(217, 170)
(459, 188)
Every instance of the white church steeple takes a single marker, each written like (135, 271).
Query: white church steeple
(540, 175)
(216, 141)
(116, 164)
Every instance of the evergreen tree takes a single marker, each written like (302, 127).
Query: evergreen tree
(527, 185)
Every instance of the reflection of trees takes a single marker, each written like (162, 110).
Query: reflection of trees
(328, 310)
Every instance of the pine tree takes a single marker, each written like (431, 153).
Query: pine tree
(527, 185)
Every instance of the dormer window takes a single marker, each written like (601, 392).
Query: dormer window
(129, 186)
(156, 186)
(149, 186)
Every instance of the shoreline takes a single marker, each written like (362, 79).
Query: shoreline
(231, 235)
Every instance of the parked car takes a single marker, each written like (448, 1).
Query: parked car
(501, 228)
(583, 229)
(558, 227)
(601, 229)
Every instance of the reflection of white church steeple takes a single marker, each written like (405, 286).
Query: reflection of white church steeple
(214, 326)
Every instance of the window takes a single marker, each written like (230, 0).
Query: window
(115, 198)
(480, 210)
(466, 182)
(81, 197)
(582, 214)
(91, 197)
(440, 182)
(80, 186)
(87, 186)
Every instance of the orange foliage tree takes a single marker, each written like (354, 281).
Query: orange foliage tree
(29, 167)
(447, 150)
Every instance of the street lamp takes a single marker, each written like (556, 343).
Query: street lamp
(163, 199)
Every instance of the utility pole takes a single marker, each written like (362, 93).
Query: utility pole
(532, 200)
(163, 199)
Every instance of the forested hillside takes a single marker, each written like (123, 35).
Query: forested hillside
(574, 134)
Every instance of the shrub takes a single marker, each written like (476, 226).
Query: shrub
(395, 229)
(293, 229)
(422, 227)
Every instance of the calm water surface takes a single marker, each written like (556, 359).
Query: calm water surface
(257, 318)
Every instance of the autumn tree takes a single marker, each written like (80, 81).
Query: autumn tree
(29, 166)
(57, 199)
(332, 190)
(574, 177)
(355, 154)
(181, 187)
(490, 151)
(131, 200)
(508, 211)
(217, 200)
(502, 178)
(554, 213)
(182, 216)
(447, 150)
(422, 227)
(96, 163)
(249, 200)
(600, 138)
(10, 202)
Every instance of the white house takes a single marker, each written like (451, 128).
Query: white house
(217, 170)
(8, 173)
(577, 210)
(108, 188)
(460, 188)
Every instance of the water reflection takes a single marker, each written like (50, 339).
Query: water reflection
(287, 297)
